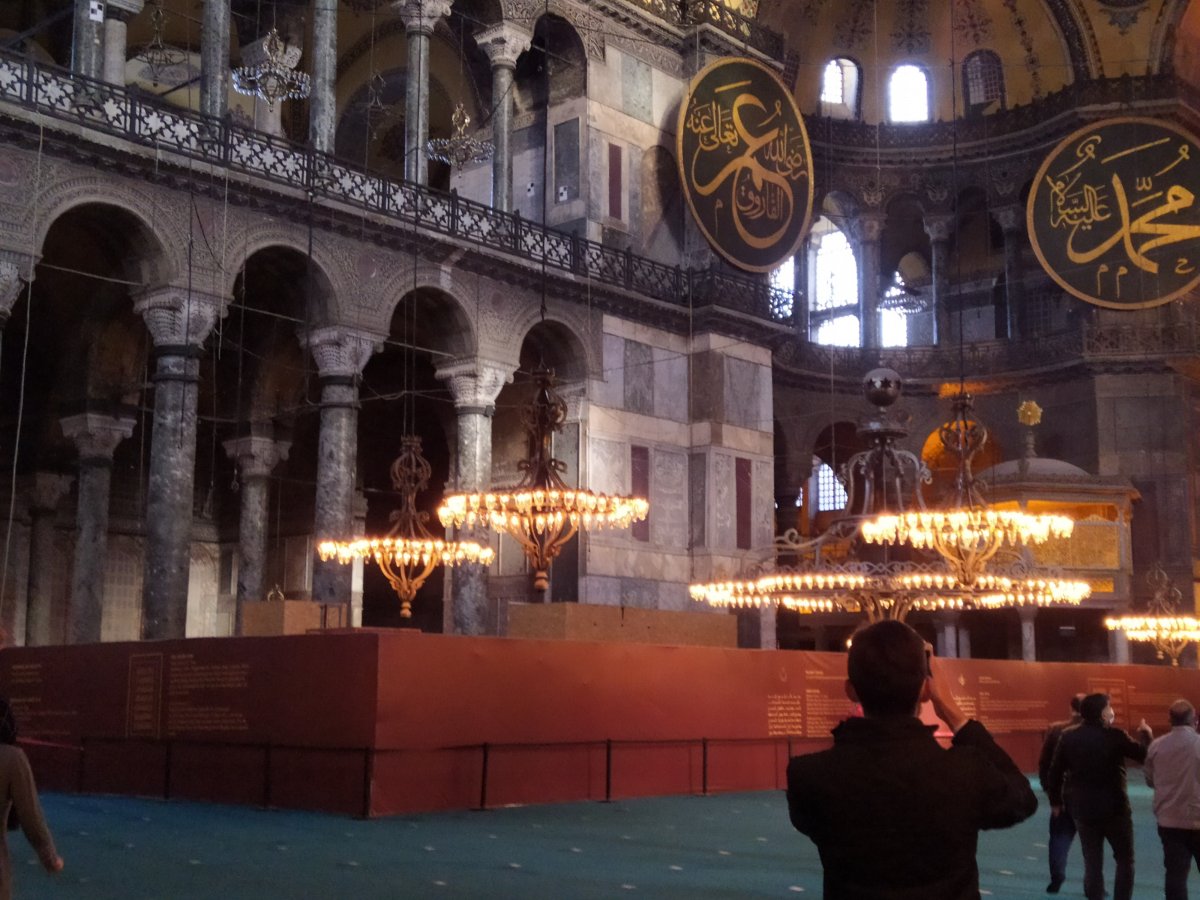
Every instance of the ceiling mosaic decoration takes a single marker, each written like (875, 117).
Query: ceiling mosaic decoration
(972, 24)
(911, 34)
(855, 26)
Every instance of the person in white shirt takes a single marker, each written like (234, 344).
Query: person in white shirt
(1172, 768)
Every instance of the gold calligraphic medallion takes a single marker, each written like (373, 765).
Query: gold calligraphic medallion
(1112, 216)
(745, 163)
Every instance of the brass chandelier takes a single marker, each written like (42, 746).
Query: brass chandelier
(541, 512)
(274, 79)
(1163, 624)
(408, 554)
(887, 515)
(460, 148)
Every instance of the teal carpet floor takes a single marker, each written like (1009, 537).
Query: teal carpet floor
(731, 845)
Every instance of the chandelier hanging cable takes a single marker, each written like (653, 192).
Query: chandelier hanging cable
(881, 481)
(274, 77)
(1163, 625)
(541, 512)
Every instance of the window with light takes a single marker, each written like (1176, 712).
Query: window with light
(908, 95)
(839, 89)
(830, 493)
(983, 78)
(893, 317)
(833, 309)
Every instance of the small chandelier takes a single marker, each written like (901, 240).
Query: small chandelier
(460, 148)
(274, 78)
(408, 553)
(968, 533)
(156, 55)
(1162, 625)
(541, 512)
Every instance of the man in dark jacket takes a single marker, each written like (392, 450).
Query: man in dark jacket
(1088, 774)
(1062, 826)
(893, 813)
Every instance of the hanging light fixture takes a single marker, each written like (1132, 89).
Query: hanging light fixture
(884, 482)
(1163, 624)
(274, 78)
(157, 56)
(408, 554)
(541, 512)
(967, 534)
(460, 148)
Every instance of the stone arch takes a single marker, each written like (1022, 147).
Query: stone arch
(324, 295)
(157, 262)
(575, 344)
(443, 289)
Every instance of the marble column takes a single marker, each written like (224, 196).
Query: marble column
(800, 290)
(117, 14)
(179, 322)
(502, 43)
(947, 635)
(46, 490)
(1012, 222)
(939, 227)
(214, 59)
(1028, 616)
(419, 17)
(96, 436)
(866, 229)
(340, 354)
(322, 103)
(964, 642)
(1118, 647)
(16, 270)
(268, 117)
(87, 49)
(256, 457)
(474, 384)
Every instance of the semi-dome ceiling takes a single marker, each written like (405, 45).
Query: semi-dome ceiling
(1043, 45)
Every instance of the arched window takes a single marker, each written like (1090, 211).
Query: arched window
(908, 95)
(830, 493)
(783, 287)
(983, 80)
(833, 309)
(893, 316)
(839, 89)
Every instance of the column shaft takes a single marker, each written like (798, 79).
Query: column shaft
(868, 292)
(41, 577)
(416, 108)
(322, 111)
(115, 40)
(474, 471)
(337, 454)
(502, 82)
(214, 59)
(169, 497)
(86, 611)
(1014, 279)
(87, 51)
(252, 542)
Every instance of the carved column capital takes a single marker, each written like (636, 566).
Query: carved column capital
(16, 271)
(867, 228)
(503, 43)
(97, 435)
(939, 226)
(1011, 218)
(474, 383)
(421, 15)
(177, 317)
(46, 489)
(123, 10)
(257, 455)
(341, 352)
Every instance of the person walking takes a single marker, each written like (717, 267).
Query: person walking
(18, 795)
(1062, 826)
(1172, 768)
(1087, 775)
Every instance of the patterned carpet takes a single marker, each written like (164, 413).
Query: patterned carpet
(726, 846)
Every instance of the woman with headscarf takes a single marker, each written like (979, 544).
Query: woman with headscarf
(18, 794)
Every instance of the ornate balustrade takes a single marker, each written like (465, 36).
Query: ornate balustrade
(63, 96)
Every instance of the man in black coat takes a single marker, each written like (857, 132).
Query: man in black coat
(1062, 826)
(1088, 774)
(893, 813)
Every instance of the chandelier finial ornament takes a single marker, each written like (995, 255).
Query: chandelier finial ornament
(460, 148)
(541, 512)
(1163, 625)
(270, 71)
(408, 554)
(883, 487)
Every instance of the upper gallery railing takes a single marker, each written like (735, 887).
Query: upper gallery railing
(149, 122)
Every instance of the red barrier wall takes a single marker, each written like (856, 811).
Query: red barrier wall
(380, 722)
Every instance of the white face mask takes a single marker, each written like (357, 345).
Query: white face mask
(1108, 716)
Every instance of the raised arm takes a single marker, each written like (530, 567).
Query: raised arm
(29, 813)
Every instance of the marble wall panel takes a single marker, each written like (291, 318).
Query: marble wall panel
(698, 499)
(639, 593)
(636, 89)
(639, 377)
(669, 499)
(609, 389)
(747, 394)
(762, 503)
(723, 509)
(609, 467)
(670, 385)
